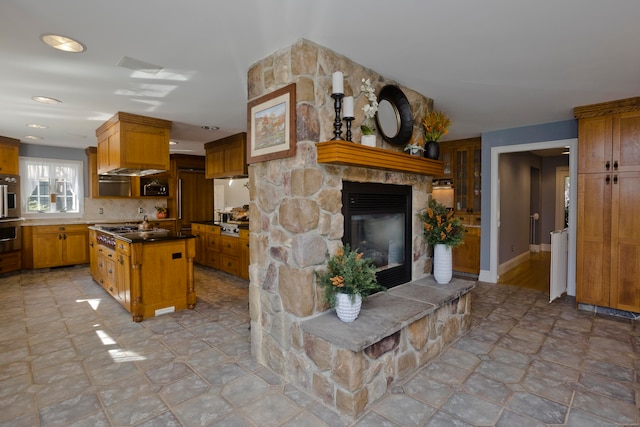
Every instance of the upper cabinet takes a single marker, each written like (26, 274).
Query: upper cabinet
(462, 164)
(9, 156)
(129, 144)
(227, 157)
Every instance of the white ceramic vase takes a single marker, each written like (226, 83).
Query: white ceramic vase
(368, 140)
(347, 310)
(442, 264)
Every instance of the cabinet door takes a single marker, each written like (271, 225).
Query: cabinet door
(47, 250)
(215, 163)
(245, 259)
(9, 159)
(594, 144)
(625, 241)
(466, 257)
(446, 158)
(235, 159)
(75, 246)
(196, 195)
(626, 142)
(593, 239)
(461, 179)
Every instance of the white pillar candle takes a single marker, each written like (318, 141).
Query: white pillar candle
(338, 82)
(348, 106)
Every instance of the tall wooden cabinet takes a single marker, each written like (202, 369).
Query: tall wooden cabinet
(608, 232)
(9, 156)
(227, 157)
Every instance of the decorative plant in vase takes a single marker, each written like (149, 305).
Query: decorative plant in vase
(370, 109)
(413, 148)
(161, 211)
(443, 231)
(349, 279)
(436, 125)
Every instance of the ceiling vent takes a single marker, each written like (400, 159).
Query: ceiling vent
(138, 65)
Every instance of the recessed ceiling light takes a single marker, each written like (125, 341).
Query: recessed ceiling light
(46, 100)
(32, 137)
(63, 43)
(36, 126)
(207, 127)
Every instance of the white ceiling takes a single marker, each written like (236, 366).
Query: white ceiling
(491, 64)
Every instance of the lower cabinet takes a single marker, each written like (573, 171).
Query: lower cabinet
(466, 257)
(55, 245)
(227, 253)
(10, 261)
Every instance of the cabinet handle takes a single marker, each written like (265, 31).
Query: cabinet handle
(64, 237)
(110, 271)
(615, 165)
(59, 236)
(615, 179)
(607, 165)
(111, 289)
(91, 244)
(607, 179)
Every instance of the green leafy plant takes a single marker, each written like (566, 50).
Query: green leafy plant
(348, 273)
(440, 226)
(161, 209)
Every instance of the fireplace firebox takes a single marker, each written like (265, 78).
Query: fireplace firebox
(377, 221)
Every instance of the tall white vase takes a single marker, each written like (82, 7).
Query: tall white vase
(347, 310)
(442, 264)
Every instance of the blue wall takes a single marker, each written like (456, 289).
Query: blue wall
(515, 136)
(62, 153)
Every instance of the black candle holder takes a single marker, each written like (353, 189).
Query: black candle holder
(349, 120)
(337, 123)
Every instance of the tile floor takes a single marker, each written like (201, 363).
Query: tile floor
(71, 356)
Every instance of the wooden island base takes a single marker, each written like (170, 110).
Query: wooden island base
(147, 278)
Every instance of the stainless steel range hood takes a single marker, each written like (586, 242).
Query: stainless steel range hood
(133, 172)
(133, 145)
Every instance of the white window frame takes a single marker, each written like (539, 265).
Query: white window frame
(47, 167)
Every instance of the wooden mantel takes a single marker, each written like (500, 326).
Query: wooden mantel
(353, 154)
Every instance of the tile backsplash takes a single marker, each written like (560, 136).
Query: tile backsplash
(121, 210)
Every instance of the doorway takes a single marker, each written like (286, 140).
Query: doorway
(491, 275)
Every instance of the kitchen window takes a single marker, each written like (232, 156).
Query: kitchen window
(51, 187)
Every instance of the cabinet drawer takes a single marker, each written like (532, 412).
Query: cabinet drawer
(212, 242)
(230, 246)
(212, 259)
(123, 248)
(230, 264)
(69, 228)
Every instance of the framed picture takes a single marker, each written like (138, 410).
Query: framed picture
(271, 124)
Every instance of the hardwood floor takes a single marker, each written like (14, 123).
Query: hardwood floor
(532, 274)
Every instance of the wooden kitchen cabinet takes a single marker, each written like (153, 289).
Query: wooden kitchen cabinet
(212, 246)
(230, 255)
(467, 173)
(198, 230)
(10, 261)
(608, 236)
(9, 155)
(129, 141)
(466, 257)
(227, 157)
(55, 245)
(123, 274)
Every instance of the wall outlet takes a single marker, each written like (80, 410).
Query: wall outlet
(100, 211)
(140, 210)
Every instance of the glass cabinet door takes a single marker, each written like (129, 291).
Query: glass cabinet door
(461, 180)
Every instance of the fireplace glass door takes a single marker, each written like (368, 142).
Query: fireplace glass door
(377, 222)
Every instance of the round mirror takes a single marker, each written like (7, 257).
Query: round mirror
(388, 118)
(394, 117)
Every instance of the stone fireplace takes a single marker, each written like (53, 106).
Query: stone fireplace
(297, 217)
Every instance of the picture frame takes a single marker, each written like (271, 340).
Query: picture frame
(271, 125)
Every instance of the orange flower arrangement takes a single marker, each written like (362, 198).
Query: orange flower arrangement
(436, 125)
(440, 226)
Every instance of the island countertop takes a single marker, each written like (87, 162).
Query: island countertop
(130, 233)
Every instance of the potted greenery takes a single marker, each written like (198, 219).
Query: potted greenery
(443, 231)
(161, 211)
(349, 279)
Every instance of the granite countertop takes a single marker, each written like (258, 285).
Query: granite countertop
(63, 221)
(144, 236)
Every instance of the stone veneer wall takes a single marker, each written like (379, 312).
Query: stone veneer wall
(295, 205)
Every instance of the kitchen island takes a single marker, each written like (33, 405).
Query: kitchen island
(149, 272)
